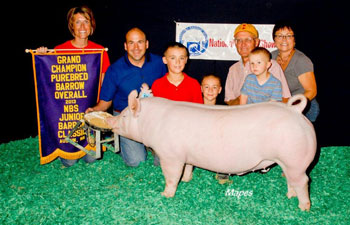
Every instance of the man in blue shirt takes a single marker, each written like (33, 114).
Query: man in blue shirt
(126, 74)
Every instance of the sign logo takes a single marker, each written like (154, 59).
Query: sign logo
(195, 39)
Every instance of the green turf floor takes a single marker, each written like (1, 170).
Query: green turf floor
(109, 192)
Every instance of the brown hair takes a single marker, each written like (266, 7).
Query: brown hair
(86, 12)
(175, 44)
(213, 76)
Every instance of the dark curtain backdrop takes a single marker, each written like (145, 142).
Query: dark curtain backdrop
(321, 35)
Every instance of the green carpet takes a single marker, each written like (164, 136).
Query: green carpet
(109, 192)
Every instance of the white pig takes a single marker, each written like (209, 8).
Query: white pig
(224, 139)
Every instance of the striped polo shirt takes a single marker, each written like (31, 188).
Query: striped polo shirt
(270, 90)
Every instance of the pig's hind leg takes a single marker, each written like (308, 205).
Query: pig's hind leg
(297, 182)
(172, 171)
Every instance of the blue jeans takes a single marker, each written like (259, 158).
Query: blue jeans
(70, 162)
(313, 110)
(132, 152)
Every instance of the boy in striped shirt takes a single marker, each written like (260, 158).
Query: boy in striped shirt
(261, 86)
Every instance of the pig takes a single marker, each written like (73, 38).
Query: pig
(224, 139)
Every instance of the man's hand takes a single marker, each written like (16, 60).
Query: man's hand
(101, 106)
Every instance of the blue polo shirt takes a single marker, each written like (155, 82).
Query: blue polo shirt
(122, 77)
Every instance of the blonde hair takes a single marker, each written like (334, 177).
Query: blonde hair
(263, 51)
(86, 12)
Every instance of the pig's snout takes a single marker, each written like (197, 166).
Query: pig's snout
(113, 122)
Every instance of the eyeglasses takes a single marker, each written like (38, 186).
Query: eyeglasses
(247, 40)
(280, 37)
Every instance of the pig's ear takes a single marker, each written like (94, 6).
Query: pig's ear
(134, 103)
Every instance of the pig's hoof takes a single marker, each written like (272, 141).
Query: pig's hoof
(167, 195)
(291, 193)
(305, 206)
(186, 179)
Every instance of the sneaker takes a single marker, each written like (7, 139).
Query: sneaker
(223, 178)
(264, 170)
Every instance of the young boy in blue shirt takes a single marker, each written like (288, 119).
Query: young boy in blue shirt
(261, 86)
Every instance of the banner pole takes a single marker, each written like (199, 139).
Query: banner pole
(57, 50)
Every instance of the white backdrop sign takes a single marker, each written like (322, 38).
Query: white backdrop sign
(215, 41)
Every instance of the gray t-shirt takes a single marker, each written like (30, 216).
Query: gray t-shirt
(299, 64)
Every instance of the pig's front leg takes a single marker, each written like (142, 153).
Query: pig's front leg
(187, 175)
(172, 172)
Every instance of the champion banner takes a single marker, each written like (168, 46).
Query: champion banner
(215, 41)
(66, 84)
